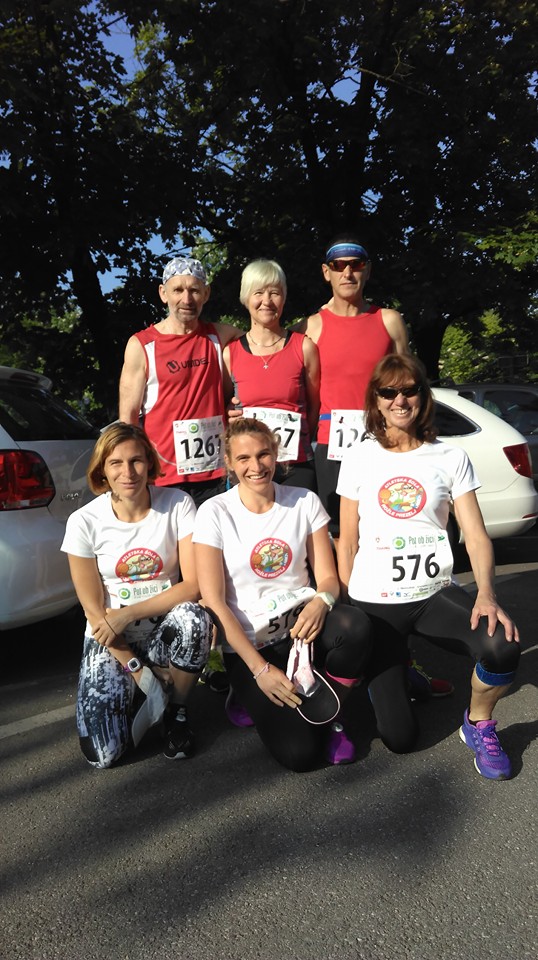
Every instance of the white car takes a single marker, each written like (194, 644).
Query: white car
(500, 455)
(516, 403)
(44, 451)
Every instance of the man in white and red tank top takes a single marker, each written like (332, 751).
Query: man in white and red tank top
(352, 336)
(171, 383)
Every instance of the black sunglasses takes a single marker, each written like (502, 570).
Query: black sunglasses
(390, 393)
(340, 265)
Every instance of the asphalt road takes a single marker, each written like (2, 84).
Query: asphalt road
(229, 856)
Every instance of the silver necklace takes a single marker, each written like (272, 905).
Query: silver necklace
(265, 346)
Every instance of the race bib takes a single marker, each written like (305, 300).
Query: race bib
(198, 444)
(273, 616)
(285, 423)
(346, 427)
(123, 594)
(126, 593)
(413, 567)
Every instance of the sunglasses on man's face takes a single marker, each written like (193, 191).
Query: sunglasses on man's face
(390, 393)
(340, 265)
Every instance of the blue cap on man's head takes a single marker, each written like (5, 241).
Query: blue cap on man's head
(182, 266)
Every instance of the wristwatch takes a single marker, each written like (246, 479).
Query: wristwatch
(327, 598)
(133, 665)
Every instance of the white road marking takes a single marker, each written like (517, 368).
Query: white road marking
(39, 720)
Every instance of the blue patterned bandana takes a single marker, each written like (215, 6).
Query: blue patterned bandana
(184, 266)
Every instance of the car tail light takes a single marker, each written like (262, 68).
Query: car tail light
(25, 480)
(520, 458)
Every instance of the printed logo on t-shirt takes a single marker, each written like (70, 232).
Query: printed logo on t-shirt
(402, 497)
(139, 564)
(175, 366)
(270, 558)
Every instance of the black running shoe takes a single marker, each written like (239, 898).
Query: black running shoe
(179, 741)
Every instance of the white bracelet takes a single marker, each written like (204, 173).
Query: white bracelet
(327, 598)
(264, 669)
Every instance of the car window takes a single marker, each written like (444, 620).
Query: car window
(518, 407)
(31, 413)
(449, 423)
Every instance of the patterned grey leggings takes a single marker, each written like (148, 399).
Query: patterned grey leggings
(181, 639)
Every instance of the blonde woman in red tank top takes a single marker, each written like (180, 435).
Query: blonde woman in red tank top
(273, 373)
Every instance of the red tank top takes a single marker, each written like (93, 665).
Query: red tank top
(280, 384)
(183, 382)
(349, 348)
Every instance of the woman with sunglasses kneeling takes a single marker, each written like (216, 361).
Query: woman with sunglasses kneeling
(395, 561)
(257, 548)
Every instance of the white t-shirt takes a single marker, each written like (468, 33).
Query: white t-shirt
(136, 560)
(404, 552)
(264, 555)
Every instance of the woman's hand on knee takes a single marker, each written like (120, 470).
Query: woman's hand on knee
(105, 633)
(276, 686)
(487, 606)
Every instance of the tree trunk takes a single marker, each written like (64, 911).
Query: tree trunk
(95, 316)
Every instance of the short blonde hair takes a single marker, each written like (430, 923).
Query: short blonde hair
(261, 273)
(107, 442)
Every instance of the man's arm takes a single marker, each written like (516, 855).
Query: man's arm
(311, 326)
(396, 329)
(312, 382)
(132, 382)
(227, 332)
(348, 542)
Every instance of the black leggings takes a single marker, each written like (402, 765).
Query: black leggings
(327, 473)
(445, 620)
(341, 650)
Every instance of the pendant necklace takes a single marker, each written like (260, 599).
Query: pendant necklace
(266, 346)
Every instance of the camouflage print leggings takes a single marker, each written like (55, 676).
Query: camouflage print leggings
(182, 639)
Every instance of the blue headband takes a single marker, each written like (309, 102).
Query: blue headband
(346, 250)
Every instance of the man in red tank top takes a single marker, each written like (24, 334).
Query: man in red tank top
(352, 336)
(171, 383)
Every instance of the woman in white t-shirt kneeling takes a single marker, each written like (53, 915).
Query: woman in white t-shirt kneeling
(395, 561)
(257, 548)
(132, 563)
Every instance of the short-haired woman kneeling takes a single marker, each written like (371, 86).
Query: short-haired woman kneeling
(132, 563)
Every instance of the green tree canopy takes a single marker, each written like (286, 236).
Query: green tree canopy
(264, 128)
(75, 158)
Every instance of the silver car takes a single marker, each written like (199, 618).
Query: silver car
(44, 451)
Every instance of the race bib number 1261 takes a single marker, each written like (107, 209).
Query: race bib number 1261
(198, 444)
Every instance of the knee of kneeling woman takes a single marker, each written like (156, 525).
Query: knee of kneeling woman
(400, 741)
(300, 763)
(98, 760)
(499, 662)
(296, 756)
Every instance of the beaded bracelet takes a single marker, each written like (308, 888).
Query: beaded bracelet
(264, 669)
